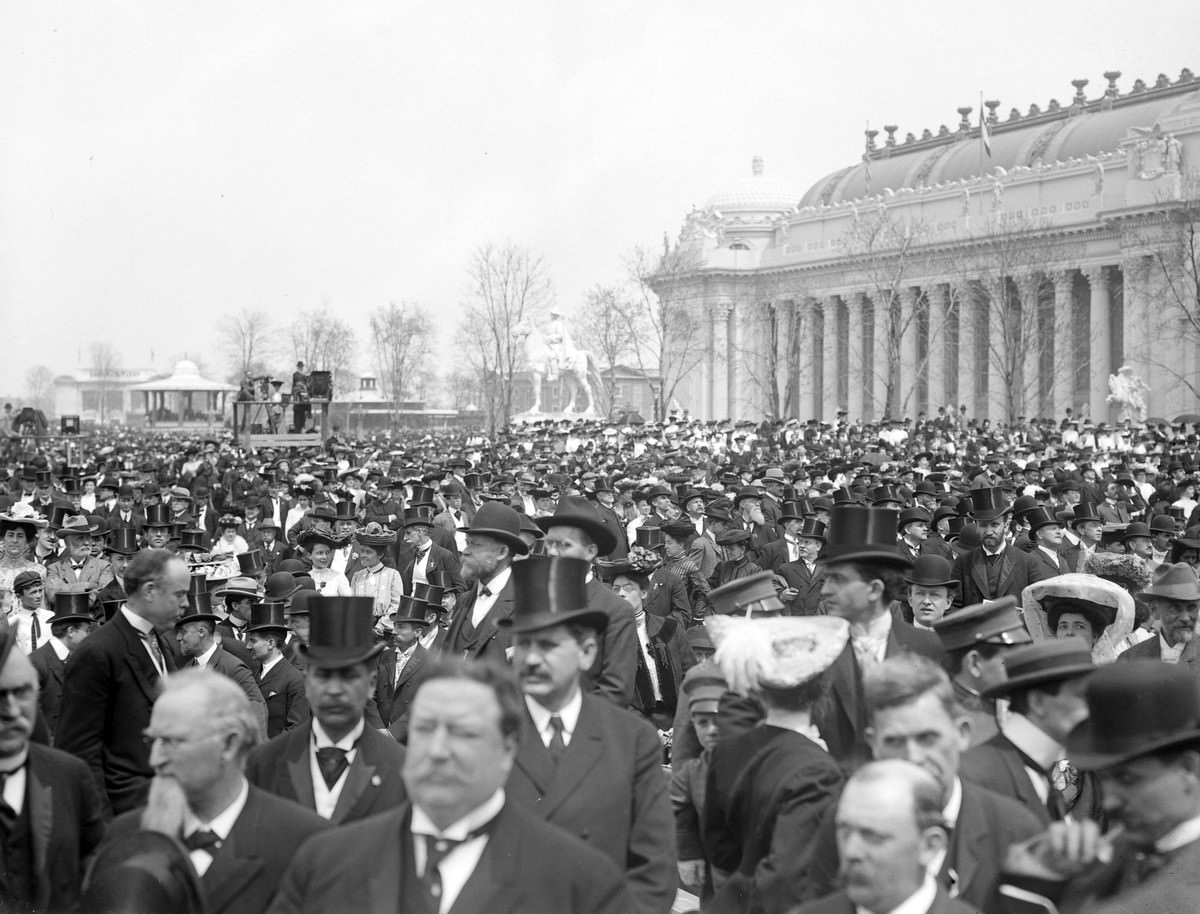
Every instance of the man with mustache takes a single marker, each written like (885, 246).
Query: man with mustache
(994, 569)
(1174, 598)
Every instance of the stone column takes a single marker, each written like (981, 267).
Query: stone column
(720, 360)
(935, 295)
(968, 363)
(735, 358)
(1029, 379)
(1101, 340)
(1065, 361)
(855, 379)
(829, 351)
(880, 368)
(906, 393)
(992, 317)
(807, 317)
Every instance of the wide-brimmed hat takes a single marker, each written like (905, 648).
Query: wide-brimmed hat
(310, 538)
(856, 533)
(989, 503)
(375, 535)
(1135, 708)
(71, 607)
(993, 622)
(932, 571)
(341, 631)
(746, 492)
(1052, 660)
(549, 591)
(22, 515)
(734, 537)
(1174, 582)
(573, 511)
(77, 525)
(499, 522)
(1099, 614)
(781, 652)
(142, 872)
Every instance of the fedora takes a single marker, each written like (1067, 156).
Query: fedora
(71, 607)
(573, 511)
(122, 541)
(746, 596)
(1175, 582)
(238, 587)
(989, 503)
(549, 591)
(268, 615)
(499, 522)
(1134, 709)
(251, 563)
(857, 533)
(341, 631)
(931, 571)
(77, 526)
(1052, 660)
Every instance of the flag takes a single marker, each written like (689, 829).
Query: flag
(984, 136)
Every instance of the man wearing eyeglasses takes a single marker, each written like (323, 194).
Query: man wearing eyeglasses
(112, 679)
(239, 839)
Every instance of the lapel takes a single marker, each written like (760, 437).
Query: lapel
(1008, 565)
(845, 683)
(359, 777)
(414, 665)
(979, 572)
(582, 755)
(383, 885)
(970, 838)
(1011, 759)
(300, 770)
(237, 861)
(138, 660)
(492, 885)
(534, 758)
(41, 821)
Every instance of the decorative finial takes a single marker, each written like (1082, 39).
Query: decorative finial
(1054, 105)
(1162, 82)
(1139, 86)
(1080, 98)
(1186, 75)
(890, 130)
(965, 114)
(991, 115)
(1014, 115)
(757, 166)
(1112, 76)
(871, 134)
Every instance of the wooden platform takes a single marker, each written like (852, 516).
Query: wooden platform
(310, 439)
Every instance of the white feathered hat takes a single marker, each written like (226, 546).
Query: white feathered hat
(782, 652)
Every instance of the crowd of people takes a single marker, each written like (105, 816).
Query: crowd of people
(917, 666)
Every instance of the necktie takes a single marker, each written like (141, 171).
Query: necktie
(193, 662)
(484, 592)
(8, 815)
(35, 632)
(156, 653)
(202, 840)
(332, 762)
(558, 745)
(436, 850)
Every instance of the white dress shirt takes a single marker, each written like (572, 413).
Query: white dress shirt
(950, 817)
(870, 641)
(326, 798)
(1170, 654)
(202, 660)
(61, 651)
(458, 865)
(221, 825)
(484, 604)
(268, 665)
(14, 787)
(21, 619)
(1182, 834)
(569, 715)
(647, 654)
(146, 629)
(1040, 747)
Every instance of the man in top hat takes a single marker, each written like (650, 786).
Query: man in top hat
(70, 623)
(1046, 536)
(426, 558)
(77, 565)
(114, 676)
(1086, 529)
(157, 526)
(581, 764)
(787, 548)
(51, 814)
(335, 764)
(463, 843)
(574, 531)
(239, 839)
(605, 499)
(1142, 739)
(125, 514)
(802, 595)
(196, 634)
(29, 619)
(977, 639)
(487, 559)
(931, 586)
(994, 569)
(767, 789)
(862, 577)
(1027, 760)
(913, 527)
(1174, 599)
(402, 666)
(279, 683)
(120, 548)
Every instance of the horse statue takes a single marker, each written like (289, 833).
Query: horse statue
(551, 355)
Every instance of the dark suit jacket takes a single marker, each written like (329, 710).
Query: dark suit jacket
(488, 641)
(613, 523)
(113, 590)
(393, 698)
(808, 587)
(66, 823)
(245, 872)
(1050, 567)
(109, 687)
(283, 690)
(1017, 571)
(839, 903)
(50, 677)
(274, 554)
(609, 790)
(227, 664)
(527, 867)
(439, 560)
(613, 673)
(668, 597)
(773, 555)
(843, 718)
(373, 785)
(137, 520)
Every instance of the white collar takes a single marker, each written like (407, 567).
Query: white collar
(1184, 833)
(1170, 654)
(876, 629)
(269, 665)
(569, 714)
(1033, 741)
(498, 581)
(222, 823)
(919, 902)
(142, 626)
(203, 659)
(408, 653)
(61, 651)
(322, 740)
(459, 830)
(953, 804)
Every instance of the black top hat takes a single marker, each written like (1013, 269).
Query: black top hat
(1039, 517)
(989, 503)
(143, 872)
(419, 515)
(58, 514)
(412, 611)
(341, 631)
(573, 511)
(265, 616)
(192, 540)
(1134, 709)
(754, 593)
(421, 495)
(199, 608)
(110, 608)
(71, 607)
(649, 537)
(122, 541)
(251, 563)
(932, 571)
(499, 522)
(1052, 660)
(860, 534)
(812, 529)
(429, 593)
(549, 591)
(1085, 512)
(158, 516)
(882, 495)
(346, 510)
(795, 510)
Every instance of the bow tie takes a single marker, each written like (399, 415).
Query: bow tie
(202, 840)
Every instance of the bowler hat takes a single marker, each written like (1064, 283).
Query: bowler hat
(341, 631)
(912, 516)
(280, 586)
(1052, 660)
(268, 615)
(1134, 530)
(251, 563)
(549, 591)
(1135, 709)
(931, 571)
(71, 607)
(857, 533)
(989, 503)
(301, 601)
(754, 593)
(122, 541)
(573, 511)
(994, 622)
(500, 522)
(746, 492)
(1162, 523)
(1174, 582)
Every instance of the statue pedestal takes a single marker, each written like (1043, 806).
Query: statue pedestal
(538, 416)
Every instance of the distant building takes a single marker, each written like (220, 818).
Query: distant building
(81, 393)
(368, 410)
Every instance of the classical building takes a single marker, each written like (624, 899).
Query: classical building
(1011, 264)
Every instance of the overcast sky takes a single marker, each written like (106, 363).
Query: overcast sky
(164, 164)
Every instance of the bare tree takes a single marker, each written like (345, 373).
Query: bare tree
(772, 353)
(39, 388)
(105, 366)
(507, 286)
(324, 343)
(461, 390)
(400, 333)
(247, 341)
(665, 317)
(602, 327)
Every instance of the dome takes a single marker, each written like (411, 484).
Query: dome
(755, 194)
(186, 366)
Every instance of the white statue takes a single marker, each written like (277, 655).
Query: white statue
(551, 355)
(1128, 391)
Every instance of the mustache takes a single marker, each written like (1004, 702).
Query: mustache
(166, 807)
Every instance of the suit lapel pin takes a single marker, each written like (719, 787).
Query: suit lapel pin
(376, 780)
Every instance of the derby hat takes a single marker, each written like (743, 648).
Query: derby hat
(1052, 660)
(1024, 504)
(341, 631)
(1085, 512)
(1041, 516)
(989, 503)
(994, 622)
(375, 535)
(238, 587)
(122, 541)
(911, 516)
(251, 563)
(412, 611)
(573, 511)
(77, 525)
(857, 533)
(746, 596)
(269, 615)
(501, 523)
(659, 490)
(142, 872)
(780, 652)
(931, 571)
(294, 567)
(71, 607)
(280, 586)
(549, 591)
(1135, 530)
(1174, 582)
(1135, 709)
(300, 603)
(1162, 523)
(158, 516)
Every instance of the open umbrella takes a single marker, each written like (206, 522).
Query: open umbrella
(1187, 417)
